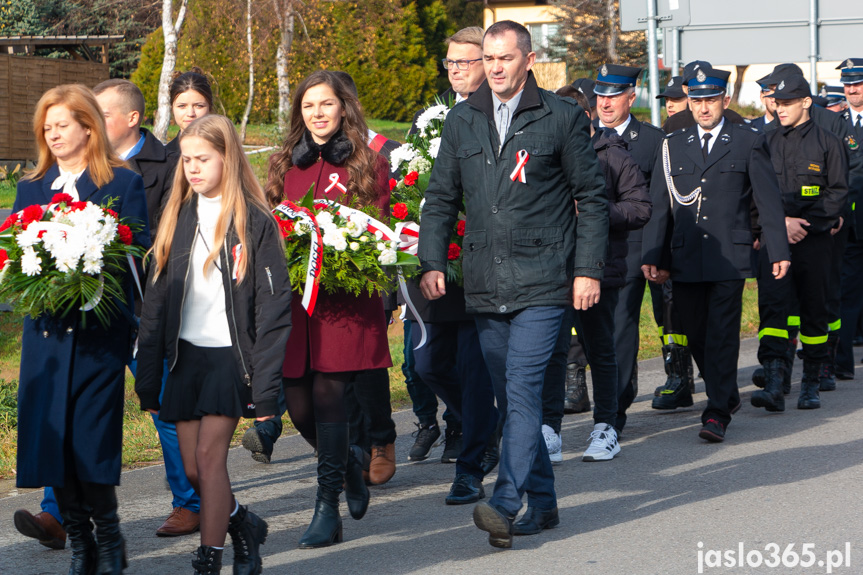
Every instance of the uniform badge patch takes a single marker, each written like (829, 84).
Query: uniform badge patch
(814, 168)
(604, 70)
(633, 135)
(810, 191)
(701, 76)
(849, 63)
(781, 85)
(690, 139)
(725, 138)
(671, 82)
(852, 142)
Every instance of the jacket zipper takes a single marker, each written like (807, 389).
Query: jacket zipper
(247, 377)
(183, 300)
(270, 279)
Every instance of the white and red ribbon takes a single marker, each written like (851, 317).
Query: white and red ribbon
(519, 172)
(409, 237)
(237, 252)
(316, 253)
(335, 183)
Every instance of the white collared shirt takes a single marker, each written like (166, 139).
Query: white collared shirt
(714, 133)
(621, 128)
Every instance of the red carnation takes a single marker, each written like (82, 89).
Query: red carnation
(454, 252)
(31, 214)
(113, 214)
(393, 184)
(125, 233)
(4, 257)
(61, 199)
(76, 206)
(40, 234)
(10, 221)
(411, 179)
(459, 228)
(286, 227)
(400, 211)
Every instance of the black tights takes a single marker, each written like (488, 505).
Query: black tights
(204, 448)
(316, 398)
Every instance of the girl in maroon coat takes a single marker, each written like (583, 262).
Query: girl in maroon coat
(327, 147)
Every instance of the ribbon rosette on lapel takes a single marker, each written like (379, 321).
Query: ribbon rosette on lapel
(521, 158)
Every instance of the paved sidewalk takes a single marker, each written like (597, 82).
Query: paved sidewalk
(790, 478)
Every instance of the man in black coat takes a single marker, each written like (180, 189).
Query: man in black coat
(702, 238)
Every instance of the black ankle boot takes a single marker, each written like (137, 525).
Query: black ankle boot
(575, 399)
(809, 397)
(771, 397)
(110, 544)
(248, 532)
(208, 561)
(356, 491)
(79, 532)
(326, 526)
(678, 390)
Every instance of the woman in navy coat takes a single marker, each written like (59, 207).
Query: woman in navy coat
(71, 384)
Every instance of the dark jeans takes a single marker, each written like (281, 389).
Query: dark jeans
(517, 347)
(451, 364)
(554, 381)
(423, 399)
(273, 427)
(595, 326)
(367, 399)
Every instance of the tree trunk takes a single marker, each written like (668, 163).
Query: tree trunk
(285, 14)
(248, 109)
(611, 15)
(171, 32)
(738, 83)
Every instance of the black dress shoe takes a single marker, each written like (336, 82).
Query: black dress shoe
(844, 375)
(535, 520)
(465, 489)
(490, 458)
(496, 522)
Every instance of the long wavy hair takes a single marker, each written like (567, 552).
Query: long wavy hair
(241, 192)
(82, 104)
(361, 164)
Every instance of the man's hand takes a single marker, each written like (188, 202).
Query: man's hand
(796, 229)
(433, 285)
(585, 292)
(756, 245)
(838, 227)
(651, 273)
(265, 418)
(780, 269)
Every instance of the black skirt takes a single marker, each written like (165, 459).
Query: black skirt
(205, 381)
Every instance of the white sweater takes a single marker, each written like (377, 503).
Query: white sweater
(205, 320)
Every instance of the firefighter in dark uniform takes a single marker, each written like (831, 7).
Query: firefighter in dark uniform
(615, 95)
(700, 235)
(684, 118)
(851, 284)
(812, 171)
(835, 96)
(674, 96)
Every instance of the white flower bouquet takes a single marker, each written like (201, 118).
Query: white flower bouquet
(64, 256)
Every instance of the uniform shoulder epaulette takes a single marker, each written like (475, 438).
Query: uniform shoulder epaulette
(650, 126)
(745, 127)
(678, 132)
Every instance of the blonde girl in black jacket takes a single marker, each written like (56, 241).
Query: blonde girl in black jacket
(217, 311)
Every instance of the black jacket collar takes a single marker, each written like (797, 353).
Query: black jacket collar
(482, 101)
(152, 151)
(336, 151)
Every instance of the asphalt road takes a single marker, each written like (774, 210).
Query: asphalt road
(667, 500)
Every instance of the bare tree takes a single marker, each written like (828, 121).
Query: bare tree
(248, 109)
(171, 32)
(738, 84)
(286, 13)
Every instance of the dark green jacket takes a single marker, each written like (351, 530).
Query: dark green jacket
(520, 238)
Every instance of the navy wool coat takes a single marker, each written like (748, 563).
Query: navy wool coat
(71, 384)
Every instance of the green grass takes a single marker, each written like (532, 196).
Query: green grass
(7, 194)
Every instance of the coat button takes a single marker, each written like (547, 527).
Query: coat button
(705, 236)
(497, 260)
(502, 309)
(487, 161)
(703, 180)
(537, 242)
(704, 218)
(45, 334)
(494, 209)
(470, 247)
(70, 329)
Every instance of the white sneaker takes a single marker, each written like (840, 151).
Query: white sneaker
(603, 444)
(553, 443)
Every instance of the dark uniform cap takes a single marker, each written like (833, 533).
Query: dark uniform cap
(834, 94)
(612, 79)
(852, 71)
(585, 86)
(779, 73)
(674, 89)
(708, 83)
(819, 101)
(791, 88)
(692, 68)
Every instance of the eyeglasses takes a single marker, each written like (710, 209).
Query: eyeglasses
(460, 64)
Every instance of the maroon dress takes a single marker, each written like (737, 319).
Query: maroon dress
(345, 332)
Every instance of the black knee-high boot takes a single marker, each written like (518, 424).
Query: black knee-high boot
(109, 541)
(79, 530)
(326, 526)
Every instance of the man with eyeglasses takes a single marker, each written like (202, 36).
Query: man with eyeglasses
(450, 365)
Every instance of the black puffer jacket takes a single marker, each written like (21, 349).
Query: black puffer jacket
(258, 309)
(629, 203)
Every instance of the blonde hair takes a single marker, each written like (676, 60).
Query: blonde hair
(469, 35)
(240, 192)
(82, 104)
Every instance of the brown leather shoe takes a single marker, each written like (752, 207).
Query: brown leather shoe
(181, 521)
(41, 526)
(383, 465)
